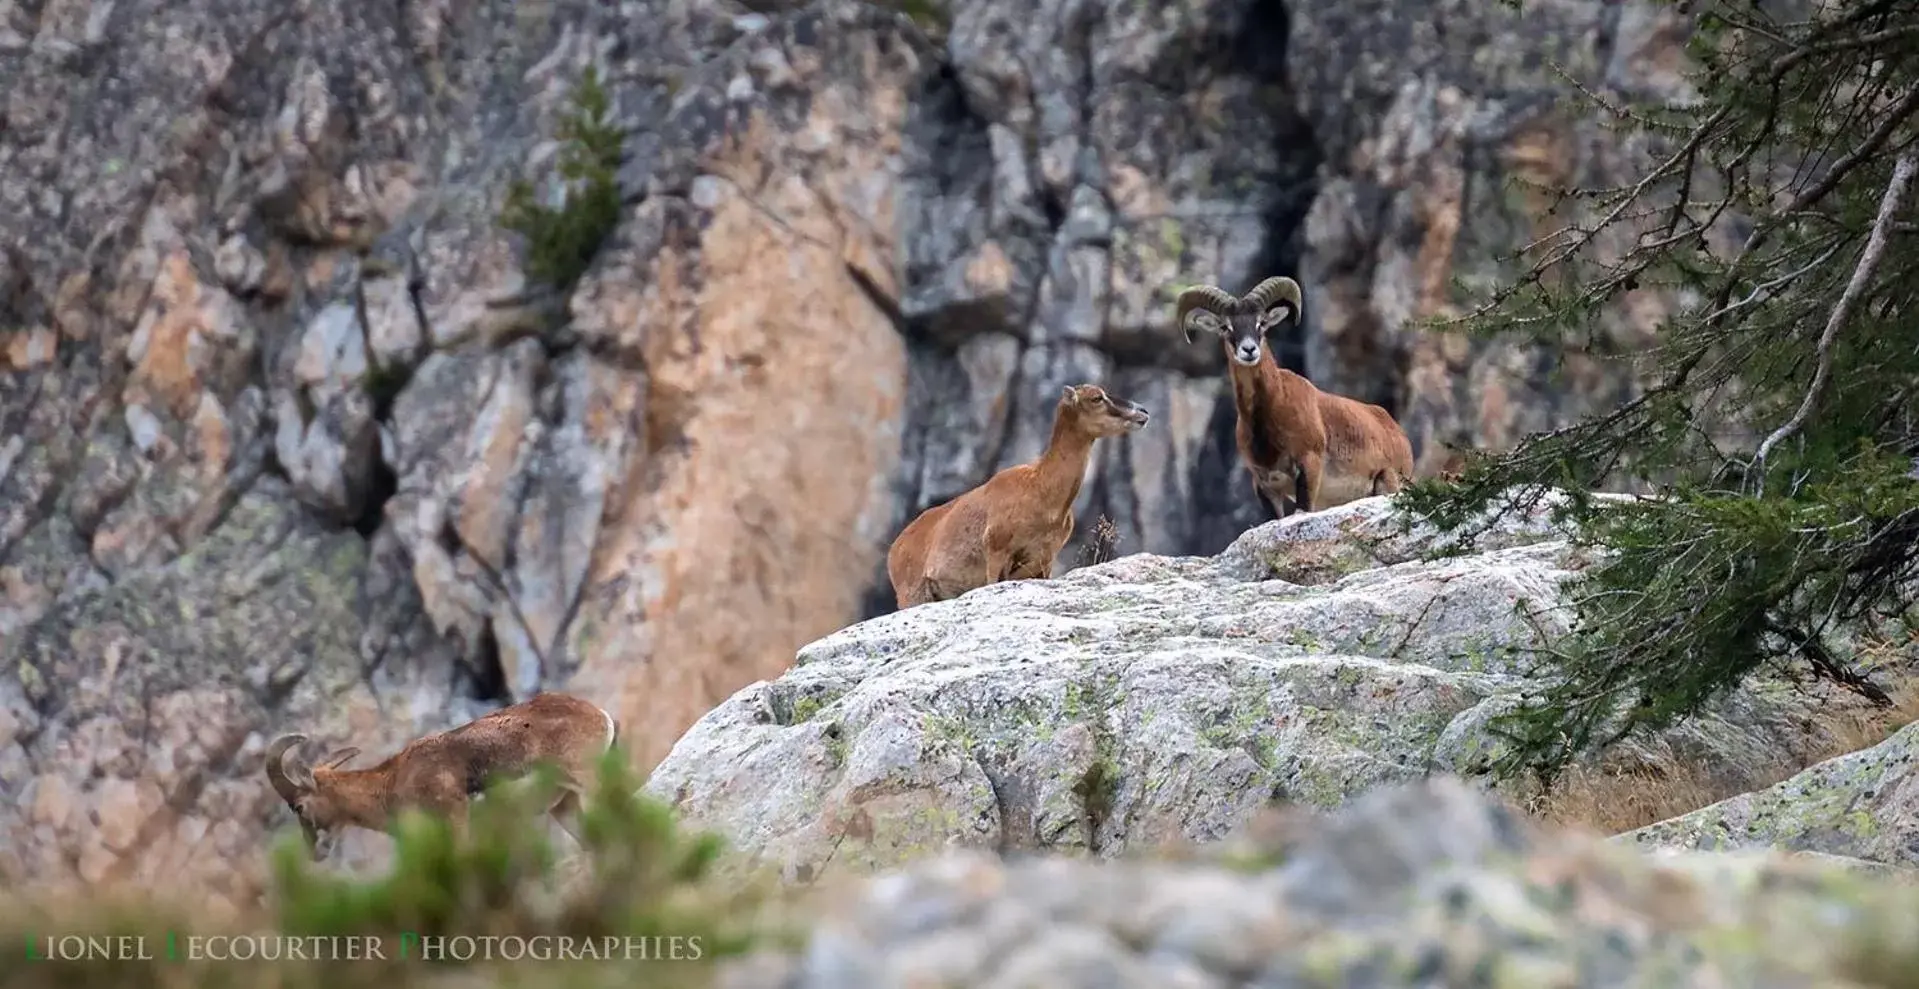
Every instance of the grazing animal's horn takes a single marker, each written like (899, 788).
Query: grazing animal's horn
(1275, 290)
(1202, 297)
(283, 780)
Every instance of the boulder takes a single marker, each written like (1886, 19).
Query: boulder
(1422, 884)
(1154, 699)
(1857, 806)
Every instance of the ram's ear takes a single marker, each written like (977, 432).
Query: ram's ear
(341, 757)
(1202, 321)
(1278, 313)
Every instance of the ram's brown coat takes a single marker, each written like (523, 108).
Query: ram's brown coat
(1306, 449)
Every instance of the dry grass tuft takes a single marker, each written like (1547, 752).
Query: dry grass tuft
(1615, 798)
(1101, 542)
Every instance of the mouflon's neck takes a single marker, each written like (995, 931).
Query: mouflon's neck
(1253, 385)
(1062, 467)
(361, 796)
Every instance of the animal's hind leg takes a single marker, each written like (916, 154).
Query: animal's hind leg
(916, 592)
(937, 582)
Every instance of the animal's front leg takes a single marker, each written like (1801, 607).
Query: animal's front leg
(1031, 568)
(1306, 481)
(999, 553)
(1276, 500)
(448, 797)
(1035, 561)
(457, 823)
(926, 591)
(566, 812)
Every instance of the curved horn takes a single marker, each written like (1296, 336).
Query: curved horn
(277, 774)
(1275, 290)
(1210, 298)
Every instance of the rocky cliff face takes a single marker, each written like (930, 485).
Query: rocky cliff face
(286, 443)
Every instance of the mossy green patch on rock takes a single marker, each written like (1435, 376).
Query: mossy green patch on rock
(942, 729)
(804, 708)
(1318, 562)
(796, 703)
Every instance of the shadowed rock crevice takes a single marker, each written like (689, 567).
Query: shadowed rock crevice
(1221, 508)
(488, 676)
(382, 485)
(1063, 172)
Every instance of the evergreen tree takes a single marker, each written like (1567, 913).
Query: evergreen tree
(1778, 207)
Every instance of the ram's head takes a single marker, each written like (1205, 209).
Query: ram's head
(1242, 322)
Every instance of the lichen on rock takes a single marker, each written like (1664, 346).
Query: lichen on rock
(1154, 699)
(133, 716)
(1858, 805)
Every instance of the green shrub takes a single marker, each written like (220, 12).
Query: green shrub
(562, 242)
(612, 912)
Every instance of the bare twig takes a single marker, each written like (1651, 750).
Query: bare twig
(1861, 274)
(1104, 537)
(1825, 664)
(1766, 288)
